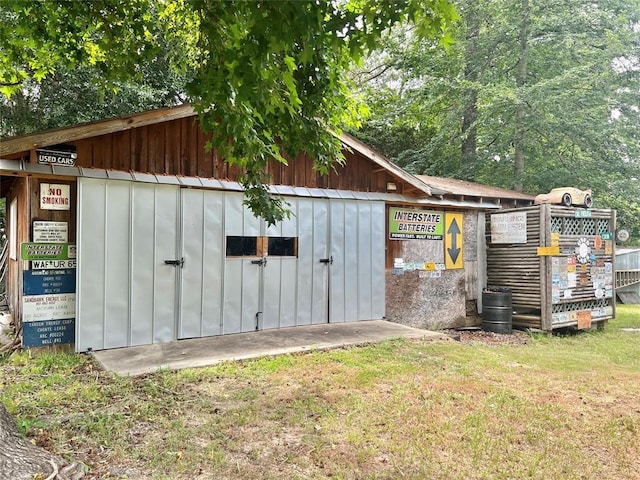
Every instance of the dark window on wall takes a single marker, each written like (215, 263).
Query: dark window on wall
(283, 246)
(238, 246)
(242, 246)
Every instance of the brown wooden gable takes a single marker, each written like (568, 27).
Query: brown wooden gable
(177, 147)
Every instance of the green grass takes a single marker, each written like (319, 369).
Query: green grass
(560, 407)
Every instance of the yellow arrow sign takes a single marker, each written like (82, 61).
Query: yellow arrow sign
(453, 240)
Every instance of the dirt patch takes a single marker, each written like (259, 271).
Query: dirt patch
(479, 336)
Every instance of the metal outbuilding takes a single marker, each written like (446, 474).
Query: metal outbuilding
(127, 231)
(628, 274)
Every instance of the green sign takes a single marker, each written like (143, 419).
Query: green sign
(47, 251)
(606, 235)
(411, 224)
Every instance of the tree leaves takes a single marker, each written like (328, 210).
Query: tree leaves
(270, 77)
(575, 107)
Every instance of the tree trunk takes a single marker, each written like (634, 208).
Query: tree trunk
(470, 114)
(521, 80)
(20, 459)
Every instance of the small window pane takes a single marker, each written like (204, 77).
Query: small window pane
(242, 246)
(283, 246)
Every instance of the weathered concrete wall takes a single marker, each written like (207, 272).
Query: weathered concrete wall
(419, 299)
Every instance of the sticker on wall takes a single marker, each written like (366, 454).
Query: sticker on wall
(509, 227)
(584, 319)
(583, 251)
(50, 232)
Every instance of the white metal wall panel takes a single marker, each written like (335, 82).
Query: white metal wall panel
(213, 259)
(288, 293)
(90, 289)
(203, 252)
(166, 276)
(357, 273)
(203, 243)
(320, 275)
(350, 255)
(304, 280)
(289, 273)
(241, 277)
(337, 285)
(126, 294)
(279, 300)
(116, 274)
(364, 261)
(143, 269)
(193, 246)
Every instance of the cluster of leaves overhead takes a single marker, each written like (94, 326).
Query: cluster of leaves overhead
(279, 71)
(268, 78)
(557, 82)
(93, 76)
(37, 37)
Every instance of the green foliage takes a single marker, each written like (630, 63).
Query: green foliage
(277, 69)
(573, 114)
(38, 36)
(268, 78)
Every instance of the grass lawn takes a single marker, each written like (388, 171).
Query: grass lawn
(561, 407)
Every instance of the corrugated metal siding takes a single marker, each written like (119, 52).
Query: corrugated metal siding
(127, 295)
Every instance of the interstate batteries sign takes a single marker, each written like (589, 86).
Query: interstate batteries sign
(409, 224)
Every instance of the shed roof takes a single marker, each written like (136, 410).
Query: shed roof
(471, 189)
(435, 188)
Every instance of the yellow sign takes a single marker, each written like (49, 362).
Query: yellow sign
(555, 239)
(453, 240)
(429, 266)
(548, 250)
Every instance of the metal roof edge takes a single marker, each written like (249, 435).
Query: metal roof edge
(216, 184)
(385, 163)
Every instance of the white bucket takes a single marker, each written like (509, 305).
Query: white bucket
(5, 322)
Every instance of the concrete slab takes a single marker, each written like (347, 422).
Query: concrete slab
(200, 352)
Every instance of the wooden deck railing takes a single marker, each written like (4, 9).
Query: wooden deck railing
(624, 278)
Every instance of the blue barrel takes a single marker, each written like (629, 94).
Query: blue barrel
(497, 311)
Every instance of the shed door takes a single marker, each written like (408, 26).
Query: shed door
(202, 273)
(126, 291)
(274, 276)
(356, 272)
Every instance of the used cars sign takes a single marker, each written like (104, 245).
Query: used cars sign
(54, 157)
